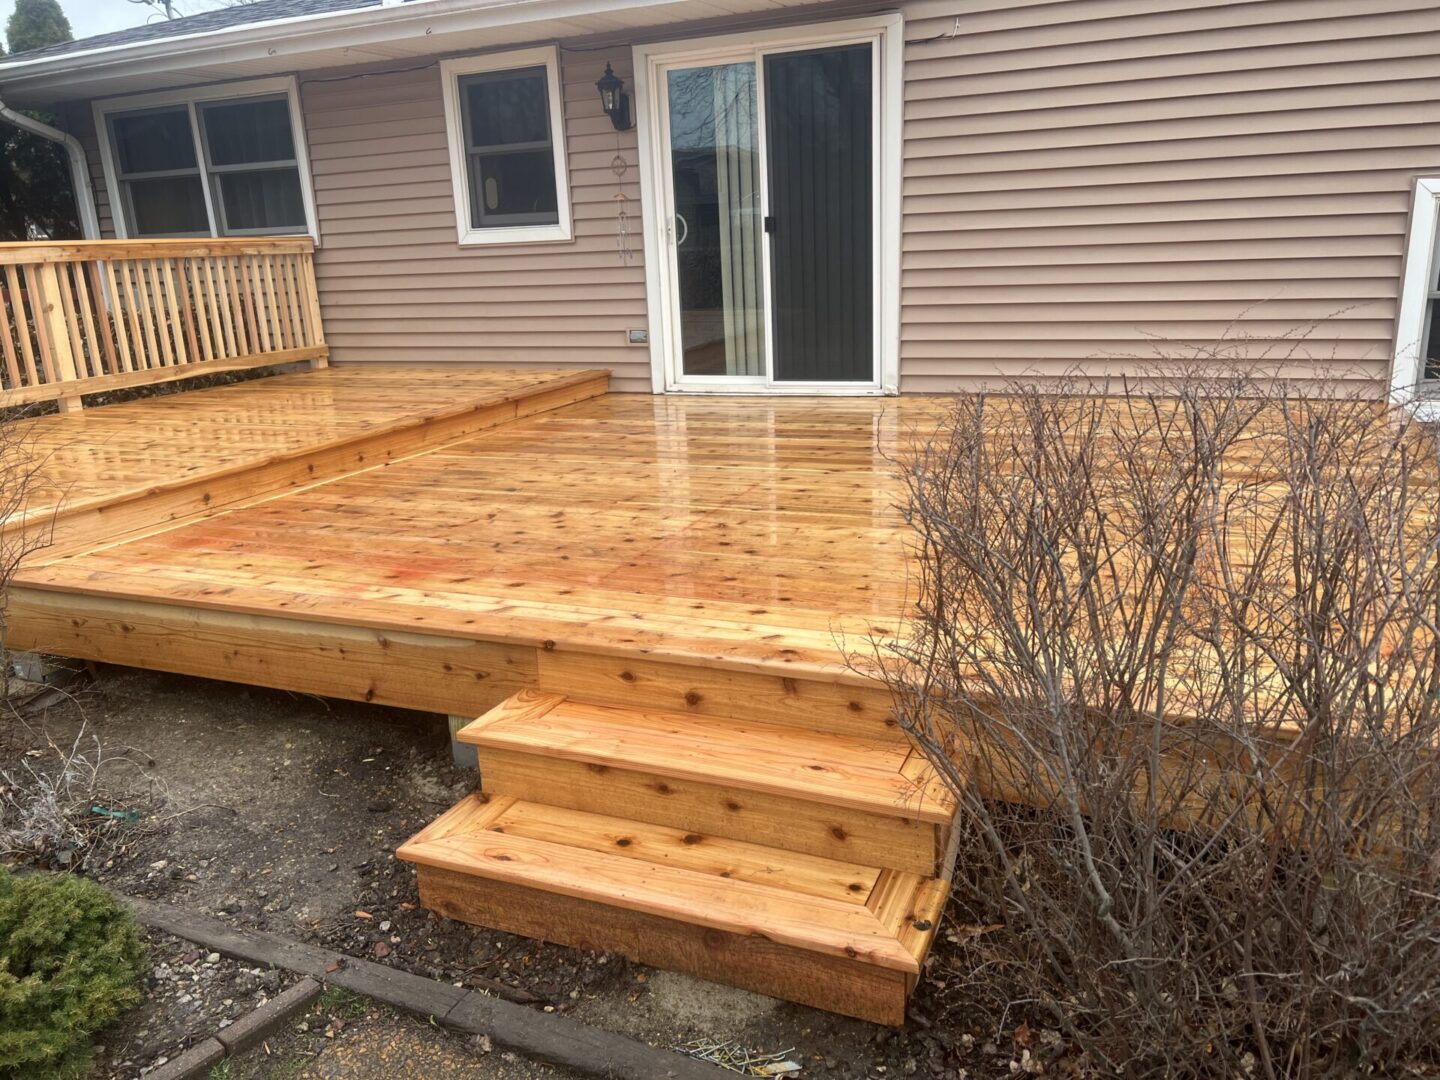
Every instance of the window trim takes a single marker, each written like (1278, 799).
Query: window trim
(1408, 385)
(191, 98)
(451, 71)
(125, 202)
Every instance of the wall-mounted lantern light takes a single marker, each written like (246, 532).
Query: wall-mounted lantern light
(613, 98)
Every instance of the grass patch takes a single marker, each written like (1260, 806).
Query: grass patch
(345, 1004)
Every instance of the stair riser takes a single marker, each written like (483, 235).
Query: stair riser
(750, 962)
(755, 696)
(850, 835)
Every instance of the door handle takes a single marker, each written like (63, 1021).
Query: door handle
(685, 226)
(769, 223)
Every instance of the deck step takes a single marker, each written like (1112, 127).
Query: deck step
(868, 801)
(836, 935)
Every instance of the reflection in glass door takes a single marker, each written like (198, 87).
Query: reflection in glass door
(715, 175)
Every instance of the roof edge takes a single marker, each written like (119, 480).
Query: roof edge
(303, 33)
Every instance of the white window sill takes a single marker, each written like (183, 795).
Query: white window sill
(519, 234)
(1426, 409)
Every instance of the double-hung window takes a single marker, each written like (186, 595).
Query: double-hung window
(1415, 376)
(507, 147)
(221, 161)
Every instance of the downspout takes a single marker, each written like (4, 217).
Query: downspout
(79, 168)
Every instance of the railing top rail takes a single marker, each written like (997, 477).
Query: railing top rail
(62, 251)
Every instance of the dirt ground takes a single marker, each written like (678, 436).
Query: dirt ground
(282, 812)
(349, 1037)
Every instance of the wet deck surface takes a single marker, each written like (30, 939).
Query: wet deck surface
(739, 529)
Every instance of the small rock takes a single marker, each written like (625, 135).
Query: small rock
(382, 950)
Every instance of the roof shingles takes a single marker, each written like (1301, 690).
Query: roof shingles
(220, 19)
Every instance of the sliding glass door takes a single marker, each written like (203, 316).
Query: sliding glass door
(770, 171)
(819, 138)
(715, 177)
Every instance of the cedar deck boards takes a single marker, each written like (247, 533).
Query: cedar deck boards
(734, 533)
(144, 464)
(703, 560)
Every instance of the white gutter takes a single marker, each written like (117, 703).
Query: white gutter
(295, 35)
(79, 169)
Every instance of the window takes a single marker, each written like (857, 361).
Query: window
(223, 161)
(507, 152)
(1415, 377)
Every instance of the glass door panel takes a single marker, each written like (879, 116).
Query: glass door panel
(819, 125)
(715, 179)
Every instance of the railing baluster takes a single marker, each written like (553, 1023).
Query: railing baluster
(117, 316)
(186, 301)
(87, 345)
(166, 284)
(10, 310)
(262, 310)
(205, 328)
(86, 316)
(235, 290)
(95, 301)
(24, 322)
(222, 308)
(145, 312)
(65, 293)
(291, 264)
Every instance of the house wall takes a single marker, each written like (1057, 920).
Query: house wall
(79, 120)
(1087, 184)
(395, 285)
(1082, 178)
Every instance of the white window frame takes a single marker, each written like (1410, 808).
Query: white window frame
(1408, 385)
(451, 71)
(190, 98)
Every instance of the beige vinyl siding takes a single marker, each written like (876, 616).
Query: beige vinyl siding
(79, 120)
(395, 286)
(1088, 185)
(1087, 181)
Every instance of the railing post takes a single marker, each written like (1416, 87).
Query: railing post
(57, 333)
(312, 302)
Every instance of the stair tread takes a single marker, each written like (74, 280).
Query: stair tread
(865, 774)
(803, 901)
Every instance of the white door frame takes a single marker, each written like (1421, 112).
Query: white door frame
(651, 61)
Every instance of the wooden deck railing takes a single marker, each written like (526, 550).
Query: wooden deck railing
(80, 318)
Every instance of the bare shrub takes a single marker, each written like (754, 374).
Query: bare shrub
(25, 526)
(1178, 658)
(57, 805)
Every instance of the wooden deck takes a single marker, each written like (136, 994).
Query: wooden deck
(650, 600)
(719, 532)
(155, 461)
(645, 609)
